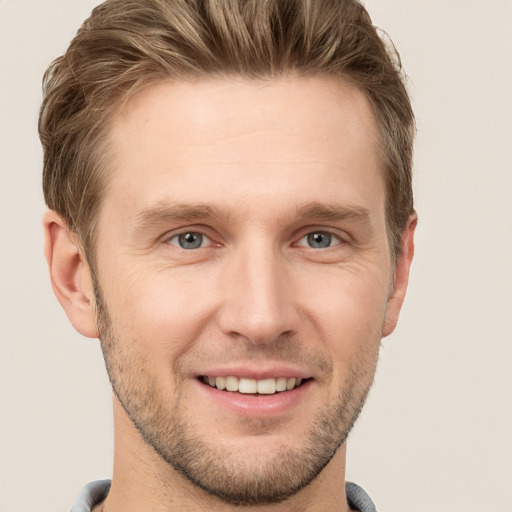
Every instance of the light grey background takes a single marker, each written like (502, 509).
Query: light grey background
(437, 431)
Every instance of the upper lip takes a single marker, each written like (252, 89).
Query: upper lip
(250, 372)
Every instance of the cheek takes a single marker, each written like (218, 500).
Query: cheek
(346, 295)
(347, 312)
(161, 312)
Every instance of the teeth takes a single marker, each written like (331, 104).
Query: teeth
(232, 383)
(247, 386)
(253, 386)
(281, 384)
(267, 386)
(220, 382)
(290, 383)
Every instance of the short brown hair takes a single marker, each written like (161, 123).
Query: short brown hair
(126, 45)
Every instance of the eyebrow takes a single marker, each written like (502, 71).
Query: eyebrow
(166, 214)
(176, 213)
(333, 212)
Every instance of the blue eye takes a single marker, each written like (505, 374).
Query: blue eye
(189, 240)
(319, 240)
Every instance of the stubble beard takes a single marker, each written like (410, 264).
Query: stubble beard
(226, 472)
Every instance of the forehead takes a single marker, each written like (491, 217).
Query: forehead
(230, 141)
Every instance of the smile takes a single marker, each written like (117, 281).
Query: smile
(253, 386)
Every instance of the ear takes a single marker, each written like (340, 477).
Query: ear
(69, 274)
(401, 276)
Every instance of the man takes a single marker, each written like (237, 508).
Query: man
(230, 212)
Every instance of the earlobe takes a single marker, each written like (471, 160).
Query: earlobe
(401, 277)
(69, 274)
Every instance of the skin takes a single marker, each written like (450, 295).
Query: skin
(257, 166)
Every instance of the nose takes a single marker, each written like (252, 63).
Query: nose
(258, 303)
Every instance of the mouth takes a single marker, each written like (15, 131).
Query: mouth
(246, 386)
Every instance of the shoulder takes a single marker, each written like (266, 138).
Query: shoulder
(91, 495)
(358, 499)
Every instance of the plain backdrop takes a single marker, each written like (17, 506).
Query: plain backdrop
(436, 434)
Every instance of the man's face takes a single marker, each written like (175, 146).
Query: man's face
(242, 242)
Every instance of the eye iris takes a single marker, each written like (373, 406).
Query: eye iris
(319, 240)
(190, 240)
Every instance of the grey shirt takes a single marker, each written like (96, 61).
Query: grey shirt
(96, 492)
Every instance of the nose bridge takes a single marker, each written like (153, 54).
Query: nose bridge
(258, 305)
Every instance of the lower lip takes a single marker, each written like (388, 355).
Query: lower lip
(257, 405)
